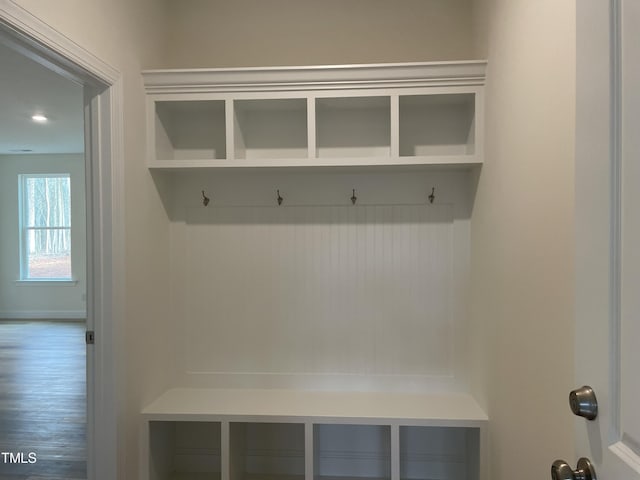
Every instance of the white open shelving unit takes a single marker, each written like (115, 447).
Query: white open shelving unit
(247, 434)
(246, 121)
(361, 115)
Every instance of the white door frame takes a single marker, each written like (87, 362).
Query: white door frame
(105, 211)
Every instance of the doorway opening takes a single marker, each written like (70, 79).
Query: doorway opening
(42, 272)
(104, 186)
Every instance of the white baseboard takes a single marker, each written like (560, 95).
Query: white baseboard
(43, 315)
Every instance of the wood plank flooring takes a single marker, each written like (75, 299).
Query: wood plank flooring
(42, 400)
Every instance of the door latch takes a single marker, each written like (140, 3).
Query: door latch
(560, 470)
(90, 337)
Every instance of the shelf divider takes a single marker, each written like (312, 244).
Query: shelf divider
(311, 127)
(395, 452)
(230, 127)
(395, 127)
(225, 456)
(309, 471)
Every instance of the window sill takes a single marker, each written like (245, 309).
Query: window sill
(46, 283)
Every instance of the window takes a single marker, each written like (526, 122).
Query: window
(45, 217)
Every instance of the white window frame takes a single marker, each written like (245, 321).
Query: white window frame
(24, 228)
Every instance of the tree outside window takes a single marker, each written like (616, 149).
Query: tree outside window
(46, 227)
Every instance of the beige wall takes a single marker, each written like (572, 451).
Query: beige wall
(217, 33)
(124, 33)
(522, 235)
(129, 35)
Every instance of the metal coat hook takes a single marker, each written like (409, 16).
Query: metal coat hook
(205, 199)
(354, 199)
(432, 197)
(280, 199)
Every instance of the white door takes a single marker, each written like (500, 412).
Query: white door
(608, 233)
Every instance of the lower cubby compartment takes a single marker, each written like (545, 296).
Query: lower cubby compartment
(351, 451)
(266, 451)
(439, 453)
(184, 450)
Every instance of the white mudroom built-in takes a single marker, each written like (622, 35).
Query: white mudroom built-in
(320, 252)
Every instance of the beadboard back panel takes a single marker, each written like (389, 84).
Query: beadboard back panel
(308, 294)
(355, 290)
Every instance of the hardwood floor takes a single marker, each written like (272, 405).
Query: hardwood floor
(42, 400)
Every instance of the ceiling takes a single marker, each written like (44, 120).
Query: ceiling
(27, 88)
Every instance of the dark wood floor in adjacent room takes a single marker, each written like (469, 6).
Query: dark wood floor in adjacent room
(43, 399)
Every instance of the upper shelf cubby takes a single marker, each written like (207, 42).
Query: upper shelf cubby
(345, 115)
(432, 125)
(270, 128)
(190, 130)
(349, 127)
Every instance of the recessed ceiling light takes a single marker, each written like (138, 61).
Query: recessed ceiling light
(39, 118)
